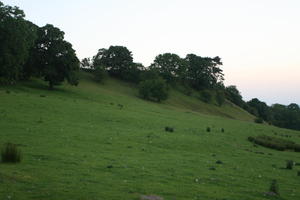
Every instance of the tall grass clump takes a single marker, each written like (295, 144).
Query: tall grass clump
(274, 187)
(289, 164)
(10, 153)
(275, 143)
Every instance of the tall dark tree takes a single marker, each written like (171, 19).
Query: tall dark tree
(154, 89)
(263, 111)
(16, 38)
(170, 66)
(54, 58)
(203, 72)
(86, 63)
(117, 60)
(234, 95)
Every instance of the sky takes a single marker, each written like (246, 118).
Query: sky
(258, 40)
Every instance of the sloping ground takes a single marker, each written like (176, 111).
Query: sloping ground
(80, 143)
(176, 100)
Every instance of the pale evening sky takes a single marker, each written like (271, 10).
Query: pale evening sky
(258, 40)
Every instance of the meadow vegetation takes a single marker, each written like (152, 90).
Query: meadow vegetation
(78, 143)
(133, 132)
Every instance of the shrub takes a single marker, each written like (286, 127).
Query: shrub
(10, 153)
(155, 89)
(259, 120)
(99, 73)
(274, 187)
(289, 164)
(206, 96)
(169, 129)
(220, 98)
(219, 162)
(275, 143)
(208, 129)
(298, 173)
(222, 130)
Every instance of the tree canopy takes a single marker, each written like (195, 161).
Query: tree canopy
(16, 38)
(28, 50)
(53, 57)
(170, 66)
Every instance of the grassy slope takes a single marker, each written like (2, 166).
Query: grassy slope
(69, 137)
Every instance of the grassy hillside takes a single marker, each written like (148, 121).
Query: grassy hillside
(79, 143)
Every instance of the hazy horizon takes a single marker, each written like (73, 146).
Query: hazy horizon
(258, 41)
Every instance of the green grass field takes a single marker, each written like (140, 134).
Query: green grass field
(79, 144)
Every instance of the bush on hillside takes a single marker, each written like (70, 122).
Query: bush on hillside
(154, 90)
(206, 96)
(99, 73)
(275, 143)
(220, 98)
(10, 153)
(259, 120)
(274, 187)
(289, 164)
(169, 129)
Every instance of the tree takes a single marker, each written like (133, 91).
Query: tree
(153, 89)
(16, 38)
(220, 98)
(234, 95)
(117, 60)
(170, 66)
(54, 58)
(86, 63)
(262, 109)
(203, 72)
(286, 116)
(294, 107)
(99, 73)
(206, 96)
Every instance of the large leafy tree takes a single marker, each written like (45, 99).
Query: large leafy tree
(203, 72)
(117, 60)
(16, 38)
(53, 57)
(153, 89)
(170, 66)
(234, 95)
(263, 111)
(286, 116)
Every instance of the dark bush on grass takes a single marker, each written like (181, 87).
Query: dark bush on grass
(259, 120)
(219, 162)
(275, 143)
(154, 89)
(206, 96)
(298, 173)
(208, 129)
(289, 164)
(169, 129)
(10, 153)
(274, 187)
(222, 130)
